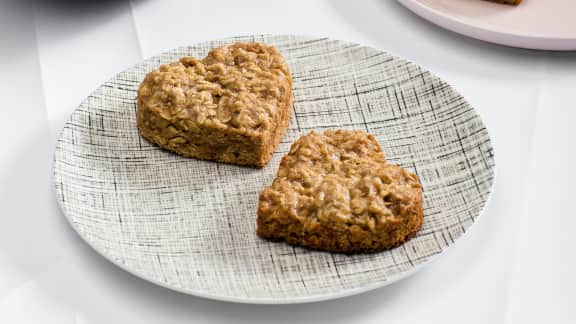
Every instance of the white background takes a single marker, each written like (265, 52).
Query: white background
(516, 265)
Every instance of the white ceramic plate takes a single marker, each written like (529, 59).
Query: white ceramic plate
(189, 225)
(534, 24)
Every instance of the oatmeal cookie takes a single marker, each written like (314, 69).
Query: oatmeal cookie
(334, 191)
(232, 106)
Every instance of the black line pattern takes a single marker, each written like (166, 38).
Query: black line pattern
(190, 224)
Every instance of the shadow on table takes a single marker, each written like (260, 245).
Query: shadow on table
(24, 22)
(28, 237)
(68, 6)
(61, 19)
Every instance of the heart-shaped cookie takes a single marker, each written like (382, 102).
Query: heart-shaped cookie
(232, 106)
(335, 192)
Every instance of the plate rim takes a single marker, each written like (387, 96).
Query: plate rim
(459, 26)
(345, 292)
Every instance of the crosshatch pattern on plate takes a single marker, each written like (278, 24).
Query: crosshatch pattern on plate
(190, 224)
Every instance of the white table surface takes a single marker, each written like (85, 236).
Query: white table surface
(516, 265)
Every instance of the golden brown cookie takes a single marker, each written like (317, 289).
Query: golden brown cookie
(334, 191)
(232, 106)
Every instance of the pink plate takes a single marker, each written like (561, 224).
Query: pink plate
(535, 24)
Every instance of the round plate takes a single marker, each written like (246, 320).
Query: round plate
(190, 225)
(534, 24)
